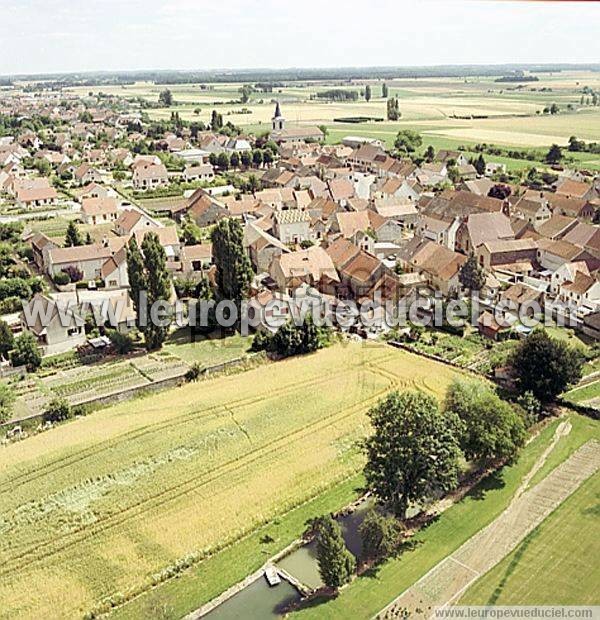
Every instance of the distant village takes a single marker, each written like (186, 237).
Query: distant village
(343, 221)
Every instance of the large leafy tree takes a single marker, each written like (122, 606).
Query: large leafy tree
(234, 271)
(471, 275)
(380, 535)
(546, 367)
(408, 141)
(413, 452)
(336, 563)
(26, 352)
(492, 428)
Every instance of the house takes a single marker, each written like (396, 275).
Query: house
(397, 210)
(167, 237)
(557, 226)
(365, 156)
(591, 325)
(132, 220)
(517, 255)
(363, 276)
(312, 266)
(88, 259)
(519, 296)
(85, 174)
(440, 265)
(481, 187)
(95, 190)
(369, 223)
(566, 273)
(481, 227)
(575, 189)
(114, 272)
(553, 253)
(57, 328)
(150, 176)
(99, 210)
(584, 289)
(199, 172)
(292, 226)
(35, 195)
(489, 327)
(446, 157)
(398, 188)
(492, 168)
(262, 247)
(204, 210)
(580, 208)
(536, 211)
(196, 258)
(40, 246)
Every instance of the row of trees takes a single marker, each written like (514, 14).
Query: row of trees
(292, 339)
(243, 159)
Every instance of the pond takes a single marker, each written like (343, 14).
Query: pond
(257, 601)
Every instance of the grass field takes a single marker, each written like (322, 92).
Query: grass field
(557, 563)
(96, 509)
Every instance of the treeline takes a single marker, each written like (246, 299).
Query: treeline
(337, 94)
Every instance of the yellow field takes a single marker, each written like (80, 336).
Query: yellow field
(101, 505)
(430, 105)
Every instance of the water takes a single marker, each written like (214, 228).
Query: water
(258, 601)
(302, 563)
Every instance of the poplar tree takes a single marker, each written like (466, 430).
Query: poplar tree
(336, 563)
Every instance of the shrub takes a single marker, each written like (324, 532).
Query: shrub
(58, 410)
(61, 278)
(122, 343)
(193, 372)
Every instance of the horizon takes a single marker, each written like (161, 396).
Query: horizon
(56, 37)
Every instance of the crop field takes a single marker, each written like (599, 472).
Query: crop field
(448, 111)
(93, 511)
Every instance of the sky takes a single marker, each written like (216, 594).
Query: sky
(45, 36)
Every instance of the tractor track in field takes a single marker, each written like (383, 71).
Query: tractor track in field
(6, 486)
(59, 543)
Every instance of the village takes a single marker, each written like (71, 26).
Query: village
(345, 221)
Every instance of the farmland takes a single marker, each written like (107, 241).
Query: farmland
(447, 111)
(106, 495)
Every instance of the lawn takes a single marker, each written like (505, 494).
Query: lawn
(207, 351)
(557, 563)
(105, 506)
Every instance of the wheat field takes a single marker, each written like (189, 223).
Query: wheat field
(103, 507)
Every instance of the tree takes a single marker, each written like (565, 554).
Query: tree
(26, 352)
(393, 109)
(57, 410)
(216, 121)
(384, 90)
(380, 535)
(246, 159)
(257, 157)
(234, 160)
(471, 275)
(367, 92)
(136, 276)
(165, 98)
(336, 563)
(500, 191)
(88, 239)
(73, 236)
(234, 271)
(7, 399)
(408, 141)
(7, 340)
(413, 451)
(291, 339)
(223, 161)
(479, 165)
(546, 367)
(158, 287)
(492, 429)
(430, 153)
(554, 155)
(122, 343)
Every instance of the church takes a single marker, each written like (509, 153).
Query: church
(297, 133)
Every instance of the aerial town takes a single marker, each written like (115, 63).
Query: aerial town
(314, 343)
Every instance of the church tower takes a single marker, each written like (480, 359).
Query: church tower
(278, 120)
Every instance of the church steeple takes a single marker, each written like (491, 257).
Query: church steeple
(278, 120)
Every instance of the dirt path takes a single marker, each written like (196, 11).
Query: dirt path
(444, 583)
